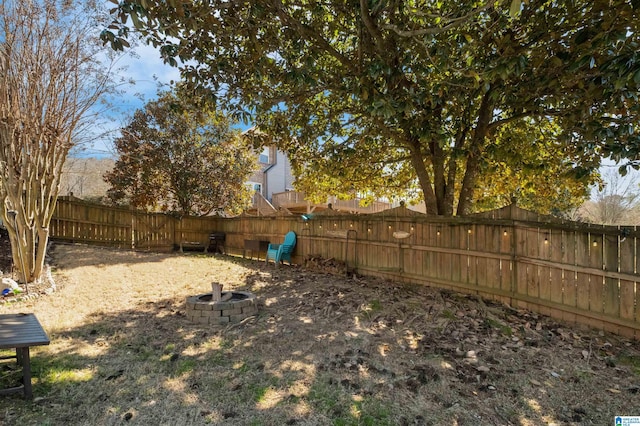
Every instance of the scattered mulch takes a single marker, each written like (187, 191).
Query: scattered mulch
(330, 266)
(6, 263)
(32, 290)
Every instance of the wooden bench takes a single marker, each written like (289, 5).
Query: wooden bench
(192, 245)
(20, 332)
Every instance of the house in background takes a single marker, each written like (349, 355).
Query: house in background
(273, 176)
(274, 192)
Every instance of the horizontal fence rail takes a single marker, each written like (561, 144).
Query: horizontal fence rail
(572, 271)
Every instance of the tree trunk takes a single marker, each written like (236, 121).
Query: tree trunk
(41, 251)
(474, 154)
(441, 183)
(417, 161)
(452, 166)
(469, 182)
(22, 245)
(50, 77)
(28, 244)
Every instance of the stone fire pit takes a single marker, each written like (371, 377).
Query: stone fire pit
(221, 307)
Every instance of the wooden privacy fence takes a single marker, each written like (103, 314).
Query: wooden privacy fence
(572, 271)
(78, 221)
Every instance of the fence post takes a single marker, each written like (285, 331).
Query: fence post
(514, 264)
(133, 229)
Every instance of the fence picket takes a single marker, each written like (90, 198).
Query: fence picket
(596, 282)
(556, 252)
(507, 247)
(611, 288)
(627, 287)
(546, 242)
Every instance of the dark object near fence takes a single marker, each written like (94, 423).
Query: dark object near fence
(332, 266)
(216, 242)
(255, 247)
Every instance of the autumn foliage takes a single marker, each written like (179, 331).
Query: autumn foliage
(177, 157)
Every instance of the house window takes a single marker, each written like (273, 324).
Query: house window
(257, 187)
(264, 156)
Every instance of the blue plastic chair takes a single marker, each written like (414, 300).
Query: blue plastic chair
(281, 252)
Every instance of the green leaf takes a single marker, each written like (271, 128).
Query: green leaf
(622, 170)
(514, 11)
(135, 19)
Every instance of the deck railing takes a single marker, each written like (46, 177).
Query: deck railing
(296, 198)
(262, 205)
(355, 206)
(288, 198)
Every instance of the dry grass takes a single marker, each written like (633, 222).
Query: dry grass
(323, 350)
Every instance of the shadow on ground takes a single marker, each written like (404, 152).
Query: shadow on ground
(328, 349)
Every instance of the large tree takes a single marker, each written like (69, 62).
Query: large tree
(387, 87)
(175, 156)
(50, 77)
(526, 162)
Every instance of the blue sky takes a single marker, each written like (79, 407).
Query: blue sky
(146, 71)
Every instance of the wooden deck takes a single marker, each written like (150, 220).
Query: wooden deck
(295, 202)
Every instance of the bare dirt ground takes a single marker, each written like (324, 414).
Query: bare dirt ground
(324, 349)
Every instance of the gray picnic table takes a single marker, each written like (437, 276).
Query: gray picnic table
(20, 332)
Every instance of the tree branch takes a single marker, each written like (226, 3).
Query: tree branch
(371, 26)
(312, 35)
(453, 23)
(523, 114)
